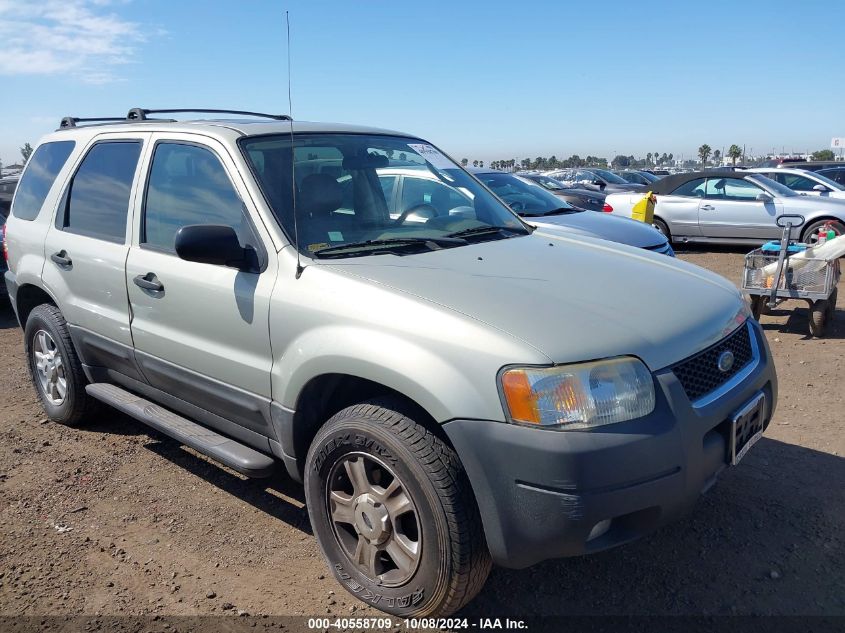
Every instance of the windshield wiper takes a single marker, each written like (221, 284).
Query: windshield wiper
(561, 211)
(388, 244)
(482, 230)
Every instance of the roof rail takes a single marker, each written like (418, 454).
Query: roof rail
(140, 114)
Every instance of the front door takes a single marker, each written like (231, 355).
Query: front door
(201, 331)
(730, 209)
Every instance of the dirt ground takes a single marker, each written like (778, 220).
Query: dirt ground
(112, 519)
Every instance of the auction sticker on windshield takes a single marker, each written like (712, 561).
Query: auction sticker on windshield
(432, 155)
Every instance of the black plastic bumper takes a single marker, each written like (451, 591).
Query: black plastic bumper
(548, 494)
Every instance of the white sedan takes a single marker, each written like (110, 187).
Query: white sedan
(804, 182)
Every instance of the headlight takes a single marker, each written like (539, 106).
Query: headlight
(578, 396)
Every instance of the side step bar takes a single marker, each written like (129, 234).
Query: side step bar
(218, 447)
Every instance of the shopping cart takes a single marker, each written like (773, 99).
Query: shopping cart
(772, 277)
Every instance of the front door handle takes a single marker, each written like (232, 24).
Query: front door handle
(707, 207)
(149, 282)
(62, 259)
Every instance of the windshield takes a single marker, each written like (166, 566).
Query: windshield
(523, 195)
(609, 176)
(773, 186)
(649, 176)
(374, 189)
(830, 183)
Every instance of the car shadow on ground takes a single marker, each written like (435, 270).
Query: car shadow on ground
(798, 321)
(763, 541)
(278, 495)
(7, 315)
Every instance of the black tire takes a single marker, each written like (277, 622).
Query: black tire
(661, 226)
(758, 306)
(810, 234)
(76, 404)
(452, 562)
(818, 317)
(831, 307)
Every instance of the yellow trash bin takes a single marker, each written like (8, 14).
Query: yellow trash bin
(644, 209)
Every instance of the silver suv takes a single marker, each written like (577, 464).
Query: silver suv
(452, 392)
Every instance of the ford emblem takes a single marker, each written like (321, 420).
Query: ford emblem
(725, 362)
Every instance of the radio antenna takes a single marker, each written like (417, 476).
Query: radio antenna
(299, 267)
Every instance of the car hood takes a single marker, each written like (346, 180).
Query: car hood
(570, 298)
(602, 226)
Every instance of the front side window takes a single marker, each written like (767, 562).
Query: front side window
(42, 169)
(731, 189)
(342, 196)
(96, 202)
(189, 185)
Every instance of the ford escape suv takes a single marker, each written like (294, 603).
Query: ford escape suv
(452, 392)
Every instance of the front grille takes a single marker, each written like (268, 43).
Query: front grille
(700, 374)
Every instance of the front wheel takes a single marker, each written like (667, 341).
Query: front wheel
(661, 226)
(394, 513)
(819, 311)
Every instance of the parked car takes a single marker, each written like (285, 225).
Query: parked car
(7, 191)
(730, 207)
(808, 183)
(809, 165)
(543, 209)
(644, 178)
(4, 266)
(836, 174)
(577, 196)
(454, 392)
(597, 179)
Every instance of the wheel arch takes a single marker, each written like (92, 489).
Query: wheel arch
(29, 296)
(817, 219)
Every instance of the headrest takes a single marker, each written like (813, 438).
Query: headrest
(320, 194)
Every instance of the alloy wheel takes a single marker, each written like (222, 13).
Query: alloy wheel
(49, 367)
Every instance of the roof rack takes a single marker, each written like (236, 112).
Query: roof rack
(71, 121)
(140, 114)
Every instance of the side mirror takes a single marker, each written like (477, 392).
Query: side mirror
(210, 244)
(820, 188)
(764, 197)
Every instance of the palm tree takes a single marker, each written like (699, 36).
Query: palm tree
(734, 152)
(464, 162)
(475, 163)
(648, 158)
(704, 154)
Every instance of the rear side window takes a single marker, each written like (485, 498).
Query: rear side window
(189, 185)
(694, 188)
(40, 173)
(96, 203)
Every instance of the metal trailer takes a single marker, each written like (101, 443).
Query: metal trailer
(814, 282)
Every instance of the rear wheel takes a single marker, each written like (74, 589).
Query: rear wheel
(758, 306)
(811, 233)
(393, 512)
(55, 368)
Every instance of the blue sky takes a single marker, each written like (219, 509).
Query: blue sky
(485, 80)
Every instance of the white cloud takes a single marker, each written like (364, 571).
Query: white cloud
(77, 37)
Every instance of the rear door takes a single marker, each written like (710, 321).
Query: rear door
(204, 336)
(730, 209)
(86, 248)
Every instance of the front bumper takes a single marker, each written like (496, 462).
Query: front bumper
(548, 494)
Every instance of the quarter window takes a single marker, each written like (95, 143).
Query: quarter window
(35, 184)
(96, 202)
(189, 185)
(731, 189)
(693, 188)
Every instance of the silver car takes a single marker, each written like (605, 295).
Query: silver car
(730, 207)
(452, 386)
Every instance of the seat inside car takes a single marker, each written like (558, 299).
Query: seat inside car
(319, 197)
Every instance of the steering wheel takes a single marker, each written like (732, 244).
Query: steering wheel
(517, 206)
(420, 207)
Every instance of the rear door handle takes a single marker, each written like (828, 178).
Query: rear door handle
(707, 207)
(149, 282)
(62, 259)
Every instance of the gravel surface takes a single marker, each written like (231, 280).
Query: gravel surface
(113, 519)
